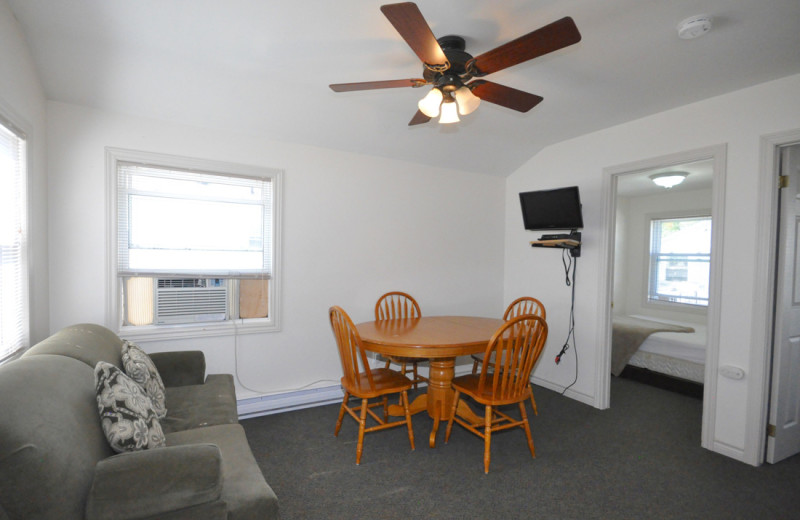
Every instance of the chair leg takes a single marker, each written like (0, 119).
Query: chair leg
(414, 368)
(474, 366)
(487, 438)
(452, 416)
(404, 398)
(385, 408)
(362, 423)
(533, 402)
(527, 428)
(341, 414)
(388, 362)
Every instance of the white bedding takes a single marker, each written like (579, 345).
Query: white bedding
(690, 347)
(677, 354)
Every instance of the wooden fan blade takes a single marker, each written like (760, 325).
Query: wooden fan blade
(504, 96)
(369, 85)
(557, 35)
(418, 119)
(409, 22)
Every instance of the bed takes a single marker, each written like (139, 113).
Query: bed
(666, 347)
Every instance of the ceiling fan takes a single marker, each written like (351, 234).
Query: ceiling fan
(449, 69)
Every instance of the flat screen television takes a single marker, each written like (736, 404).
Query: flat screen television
(552, 209)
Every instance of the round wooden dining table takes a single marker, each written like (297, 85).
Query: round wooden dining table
(440, 339)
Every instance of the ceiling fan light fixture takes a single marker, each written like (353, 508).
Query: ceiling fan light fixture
(668, 179)
(449, 111)
(467, 101)
(429, 105)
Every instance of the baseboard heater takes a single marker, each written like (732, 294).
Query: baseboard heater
(286, 402)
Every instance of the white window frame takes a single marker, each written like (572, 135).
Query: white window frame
(667, 305)
(21, 339)
(114, 311)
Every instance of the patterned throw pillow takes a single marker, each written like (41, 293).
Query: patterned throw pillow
(141, 369)
(126, 413)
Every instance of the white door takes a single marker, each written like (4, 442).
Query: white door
(784, 414)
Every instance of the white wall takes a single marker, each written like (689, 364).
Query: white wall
(22, 100)
(630, 282)
(354, 227)
(739, 120)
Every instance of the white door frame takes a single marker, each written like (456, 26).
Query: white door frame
(764, 307)
(718, 154)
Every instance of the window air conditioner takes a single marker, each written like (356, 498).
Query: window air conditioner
(191, 300)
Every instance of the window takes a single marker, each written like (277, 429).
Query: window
(14, 327)
(680, 259)
(196, 241)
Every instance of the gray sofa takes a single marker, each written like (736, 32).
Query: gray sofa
(55, 461)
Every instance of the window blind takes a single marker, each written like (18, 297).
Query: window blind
(174, 222)
(680, 259)
(14, 314)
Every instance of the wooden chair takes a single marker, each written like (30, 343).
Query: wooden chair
(520, 306)
(394, 305)
(504, 379)
(366, 383)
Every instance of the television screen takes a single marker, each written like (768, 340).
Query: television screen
(552, 209)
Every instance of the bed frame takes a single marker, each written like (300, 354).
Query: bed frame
(667, 382)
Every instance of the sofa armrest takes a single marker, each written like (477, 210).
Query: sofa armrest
(154, 483)
(180, 368)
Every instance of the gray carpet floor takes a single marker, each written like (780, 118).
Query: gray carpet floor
(640, 459)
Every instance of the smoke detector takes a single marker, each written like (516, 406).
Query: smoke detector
(694, 27)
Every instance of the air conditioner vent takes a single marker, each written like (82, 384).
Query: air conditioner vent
(182, 282)
(189, 300)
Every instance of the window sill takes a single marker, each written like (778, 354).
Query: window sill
(205, 330)
(676, 307)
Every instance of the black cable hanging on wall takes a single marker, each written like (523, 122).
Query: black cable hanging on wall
(570, 262)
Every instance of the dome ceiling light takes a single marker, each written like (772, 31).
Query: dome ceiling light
(669, 179)
(694, 27)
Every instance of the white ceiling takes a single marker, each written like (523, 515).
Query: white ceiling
(700, 177)
(263, 67)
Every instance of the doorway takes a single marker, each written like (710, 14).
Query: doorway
(643, 284)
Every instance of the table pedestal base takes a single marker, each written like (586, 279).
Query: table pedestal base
(439, 399)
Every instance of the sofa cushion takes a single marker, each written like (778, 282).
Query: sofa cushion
(50, 437)
(195, 406)
(180, 368)
(126, 412)
(139, 367)
(244, 489)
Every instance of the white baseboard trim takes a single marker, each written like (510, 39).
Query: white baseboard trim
(572, 394)
(286, 402)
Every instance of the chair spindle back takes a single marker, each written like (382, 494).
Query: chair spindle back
(396, 305)
(511, 355)
(525, 305)
(351, 352)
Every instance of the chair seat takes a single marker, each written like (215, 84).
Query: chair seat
(468, 384)
(385, 381)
